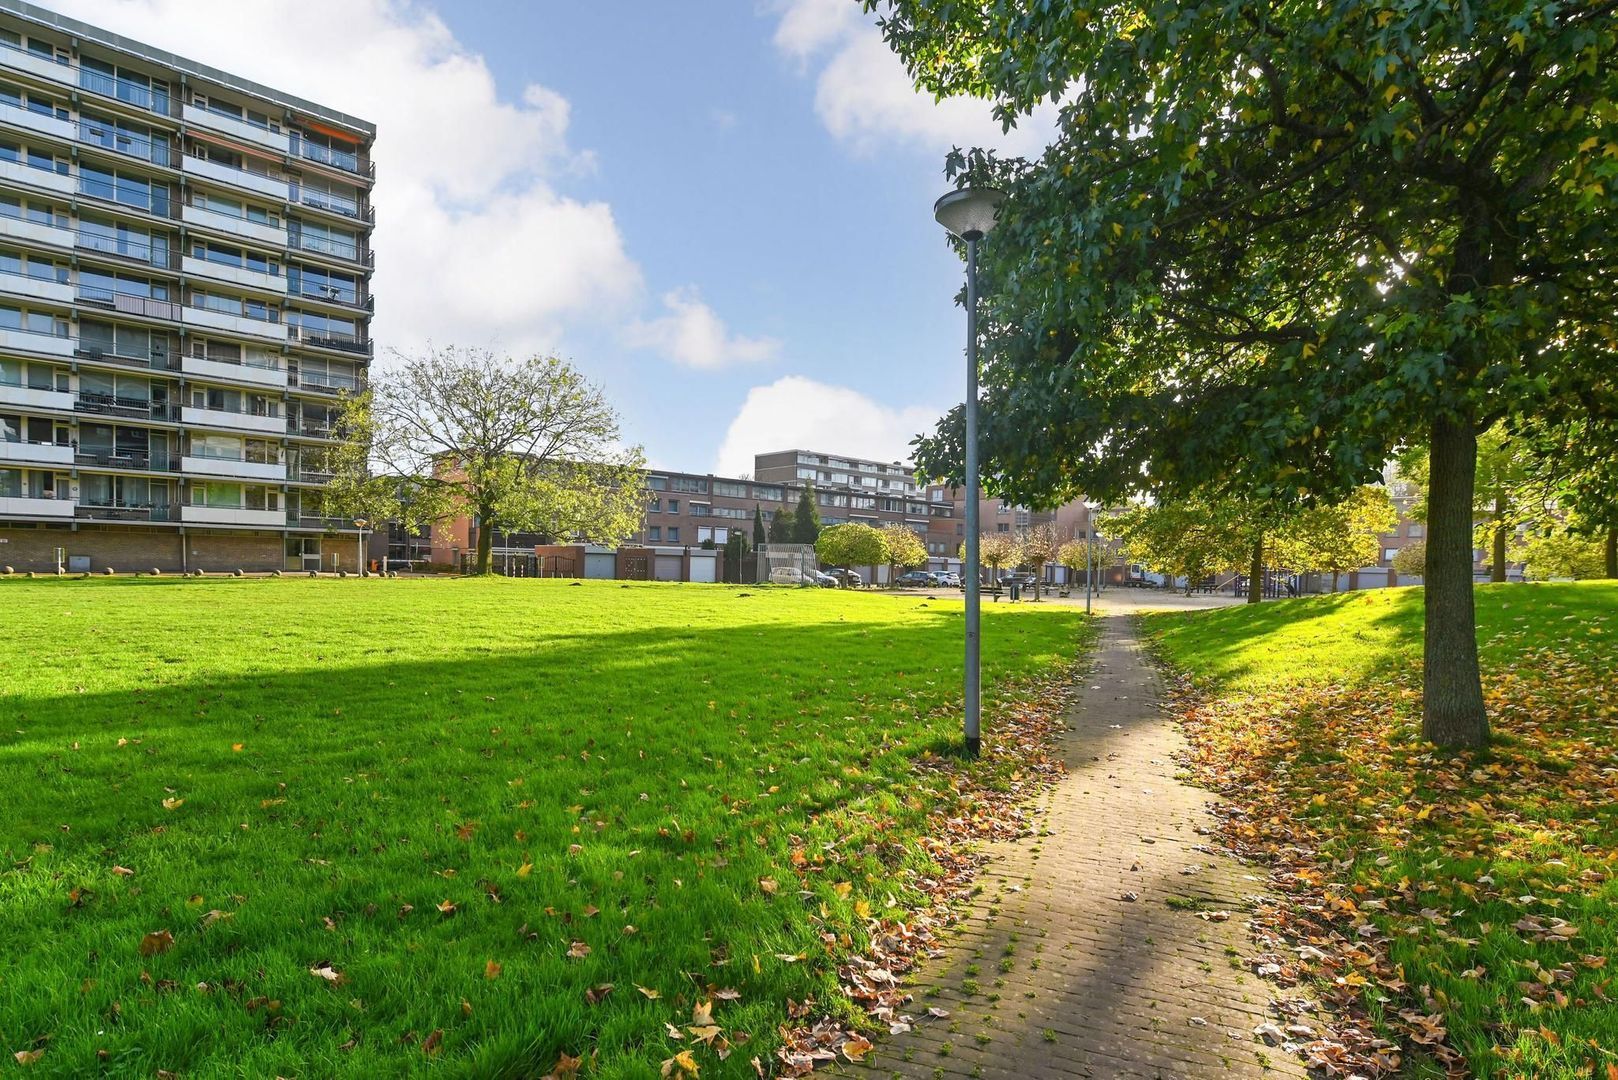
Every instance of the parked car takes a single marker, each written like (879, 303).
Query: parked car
(948, 579)
(1021, 578)
(848, 579)
(916, 579)
(825, 581)
(789, 575)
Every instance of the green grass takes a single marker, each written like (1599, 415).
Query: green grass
(1312, 721)
(559, 763)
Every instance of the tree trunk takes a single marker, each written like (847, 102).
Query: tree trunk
(485, 544)
(1452, 689)
(1612, 551)
(1499, 573)
(1255, 572)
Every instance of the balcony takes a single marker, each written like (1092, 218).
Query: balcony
(28, 397)
(236, 128)
(112, 405)
(125, 511)
(331, 249)
(15, 172)
(337, 340)
(276, 189)
(236, 324)
(34, 288)
(33, 341)
(232, 515)
(326, 524)
(325, 384)
(345, 160)
(43, 66)
(234, 468)
(334, 295)
(112, 459)
(124, 248)
(332, 204)
(273, 235)
(36, 453)
(36, 232)
(153, 151)
(235, 275)
(157, 360)
(222, 371)
(48, 507)
(128, 193)
(127, 91)
(221, 420)
(313, 431)
(128, 303)
(42, 122)
(311, 476)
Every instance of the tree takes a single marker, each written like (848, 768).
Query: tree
(527, 445)
(760, 536)
(853, 544)
(1578, 463)
(1192, 538)
(904, 549)
(806, 521)
(1337, 538)
(997, 549)
(1411, 560)
(1512, 488)
(1272, 240)
(1040, 545)
(736, 549)
(781, 527)
(1082, 556)
(1557, 553)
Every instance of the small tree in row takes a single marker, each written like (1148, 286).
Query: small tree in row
(904, 549)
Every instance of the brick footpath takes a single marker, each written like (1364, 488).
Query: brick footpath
(1057, 972)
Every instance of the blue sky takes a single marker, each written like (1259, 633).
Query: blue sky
(720, 211)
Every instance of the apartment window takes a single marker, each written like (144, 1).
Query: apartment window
(133, 139)
(730, 489)
(220, 352)
(692, 484)
(674, 506)
(118, 238)
(235, 112)
(235, 208)
(706, 535)
(1389, 553)
(768, 494)
(700, 509)
(323, 284)
(674, 534)
(126, 188)
(35, 322)
(655, 507)
(317, 236)
(1002, 527)
(20, 265)
(40, 213)
(101, 285)
(326, 195)
(323, 327)
(219, 447)
(128, 86)
(1416, 532)
(657, 483)
(239, 258)
(241, 307)
(136, 342)
(655, 533)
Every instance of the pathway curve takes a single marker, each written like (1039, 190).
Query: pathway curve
(1088, 953)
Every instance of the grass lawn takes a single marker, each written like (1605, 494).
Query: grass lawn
(1491, 880)
(373, 828)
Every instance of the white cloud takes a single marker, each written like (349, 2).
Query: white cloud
(797, 412)
(475, 243)
(693, 335)
(864, 96)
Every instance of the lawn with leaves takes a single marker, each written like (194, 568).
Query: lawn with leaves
(471, 827)
(1466, 905)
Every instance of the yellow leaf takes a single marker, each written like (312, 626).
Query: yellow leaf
(525, 869)
(491, 970)
(28, 1057)
(173, 803)
(1390, 93)
(1383, 18)
(1426, 812)
(1588, 144)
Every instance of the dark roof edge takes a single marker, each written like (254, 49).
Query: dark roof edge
(107, 38)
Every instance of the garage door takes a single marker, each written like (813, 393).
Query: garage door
(702, 568)
(667, 568)
(600, 564)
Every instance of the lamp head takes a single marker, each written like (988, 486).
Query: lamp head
(969, 212)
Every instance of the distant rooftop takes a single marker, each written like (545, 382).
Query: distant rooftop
(106, 38)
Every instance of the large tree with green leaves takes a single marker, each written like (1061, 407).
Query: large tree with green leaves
(527, 445)
(806, 519)
(1274, 240)
(1339, 537)
(851, 544)
(781, 527)
(904, 549)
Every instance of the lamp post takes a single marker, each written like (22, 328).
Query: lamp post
(969, 213)
(361, 523)
(1089, 555)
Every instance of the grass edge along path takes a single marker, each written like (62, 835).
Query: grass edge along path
(1463, 905)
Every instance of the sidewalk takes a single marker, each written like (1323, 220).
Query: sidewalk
(1100, 948)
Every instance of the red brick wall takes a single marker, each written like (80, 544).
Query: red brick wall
(128, 550)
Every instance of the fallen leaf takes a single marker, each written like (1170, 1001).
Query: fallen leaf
(683, 1063)
(28, 1057)
(173, 803)
(324, 970)
(856, 1048)
(491, 970)
(123, 871)
(578, 950)
(769, 886)
(433, 1043)
(653, 994)
(596, 994)
(158, 941)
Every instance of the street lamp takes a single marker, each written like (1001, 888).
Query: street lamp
(969, 213)
(361, 523)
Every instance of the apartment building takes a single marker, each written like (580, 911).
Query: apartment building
(832, 471)
(185, 266)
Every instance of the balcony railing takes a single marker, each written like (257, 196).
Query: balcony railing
(315, 476)
(127, 194)
(128, 303)
(224, 455)
(325, 384)
(337, 159)
(129, 92)
(152, 255)
(312, 431)
(123, 142)
(113, 405)
(320, 245)
(226, 307)
(126, 511)
(112, 459)
(330, 339)
(158, 360)
(322, 200)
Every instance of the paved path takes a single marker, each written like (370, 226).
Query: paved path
(1056, 973)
